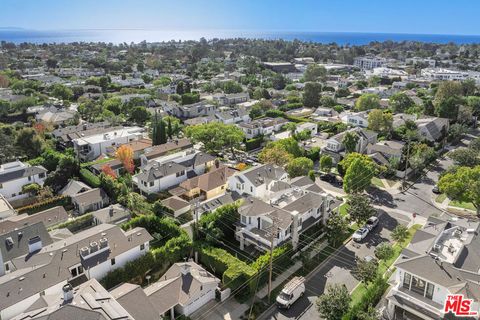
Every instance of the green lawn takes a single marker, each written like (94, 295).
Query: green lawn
(377, 182)
(360, 290)
(343, 209)
(463, 205)
(440, 198)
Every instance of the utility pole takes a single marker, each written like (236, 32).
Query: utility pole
(273, 235)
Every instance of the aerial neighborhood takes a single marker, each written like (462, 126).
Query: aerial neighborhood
(238, 179)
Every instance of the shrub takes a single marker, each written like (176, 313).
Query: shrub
(254, 143)
(77, 224)
(89, 178)
(47, 204)
(371, 297)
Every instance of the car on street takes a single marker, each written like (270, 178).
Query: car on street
(436, 189)
(372, 222)
(360, 234)
(293, 290)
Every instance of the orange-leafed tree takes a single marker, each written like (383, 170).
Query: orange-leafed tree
(107, 170)
(125, 155)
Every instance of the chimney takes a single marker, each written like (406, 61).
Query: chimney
(67, 293)
(34, 244)
(185, 269)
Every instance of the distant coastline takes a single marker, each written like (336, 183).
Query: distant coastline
(18, 35)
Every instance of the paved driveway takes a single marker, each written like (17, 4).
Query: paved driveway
(338, 269)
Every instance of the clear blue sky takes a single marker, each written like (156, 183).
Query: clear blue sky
(389, 16)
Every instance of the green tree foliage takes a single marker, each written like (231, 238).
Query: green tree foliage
(190, 98)
(311, 94)
(366, 271)
(326, 163)
(336, 228)
(217, 225)
(334, 302)
(113, 104)
(275, 154)
(462, 185)
(367, 101)
(358, 176)
(61, 92)
(447, 90)
(261, 93)
(299, 167)
(380, 121)
(350, 140)
(465, 157)
(384, 251)
(315, 72)
(140, 115)
(400, 102)
(400, 233)
(216, 136)
(159, 131)
(232, 87)
(31, 143)
(359, 208)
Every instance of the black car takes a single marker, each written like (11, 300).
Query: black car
(436, 190)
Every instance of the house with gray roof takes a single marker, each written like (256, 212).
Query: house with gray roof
(336, 149)
(113, 214)
(43, 267)
(49, 217)
(182, 290)
(74, 187)
(432, 129)
(90, 200)
(442, 259)
(14, 175)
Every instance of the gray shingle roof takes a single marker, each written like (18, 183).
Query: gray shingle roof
(21, 173)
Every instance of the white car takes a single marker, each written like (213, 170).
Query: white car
(372, 222)
(293, 290)
(360, 234)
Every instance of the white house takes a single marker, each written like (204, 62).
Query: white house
(91, 147)
(264, 126)
(334, 146)
(442, 259)
(356, 119)
(90, 254)
(14, 175)
(168, 171)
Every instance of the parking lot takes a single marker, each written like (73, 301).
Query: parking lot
(338, 269)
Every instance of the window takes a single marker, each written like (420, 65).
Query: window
(7, 267)
(74, 272)
(244, 219)
(151, 184)
(41, 175)
(249, 219)
(251, 189)
(14, 195)
(112, 261)
(406, 280)
(429, 292)
(142, 247)
(80, 270)
(418, 286)
(29, 178)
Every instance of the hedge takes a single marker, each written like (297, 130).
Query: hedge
(77, 224)
(371, 297)
(89, 178)
(46, 204)
(253, 143)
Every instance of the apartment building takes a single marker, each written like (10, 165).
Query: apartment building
(369, 62)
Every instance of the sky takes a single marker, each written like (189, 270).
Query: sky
(381, 16)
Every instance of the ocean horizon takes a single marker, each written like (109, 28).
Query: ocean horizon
(138, 35)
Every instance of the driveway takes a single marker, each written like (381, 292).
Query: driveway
(337, 269)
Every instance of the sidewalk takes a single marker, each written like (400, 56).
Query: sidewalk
(280, 279)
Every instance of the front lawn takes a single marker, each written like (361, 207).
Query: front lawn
(378, 182)
(440, 198)
(463, 205)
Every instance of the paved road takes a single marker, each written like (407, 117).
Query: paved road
(338, 270)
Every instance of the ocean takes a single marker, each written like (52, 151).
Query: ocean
(129, 35)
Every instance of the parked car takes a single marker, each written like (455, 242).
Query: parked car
(293, 290)
(372, 222)
(360, 234)
(436, 189)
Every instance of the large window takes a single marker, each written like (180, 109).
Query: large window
(418, 285)
(407, 278)
(429, 292)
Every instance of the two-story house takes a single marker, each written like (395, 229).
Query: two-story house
(90, 148)
(441, 260)
(14, 175)
(356, 119)
(335, 148)
(264, 126)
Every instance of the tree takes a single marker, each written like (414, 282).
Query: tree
(400, 102)
(28, 141)
(359, 208)
(465, 157)
(462, 185)
(366, 271)
(475, 144)
(169, 128)
(275, 155)
(113, 104)
(299, 167)
(367, 101)
(370, 314)
(326, 163)
(139, 115)
(350, 140)
(159, 131)
(190, 98)
(447, 90)
(261, 93)
(124, 154)
(32, 189)
(358, 176)
(311, 94)
(61, 92)
(216, 136)
(448, 108)
(232, 87)
(384, 251)
(380, 121)
(400, 233)
(107, 170)
(421, 155)
(314, 72)
(336, 228)
(456, 132)
(278, 81)
(334, 302)
(289, 144)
